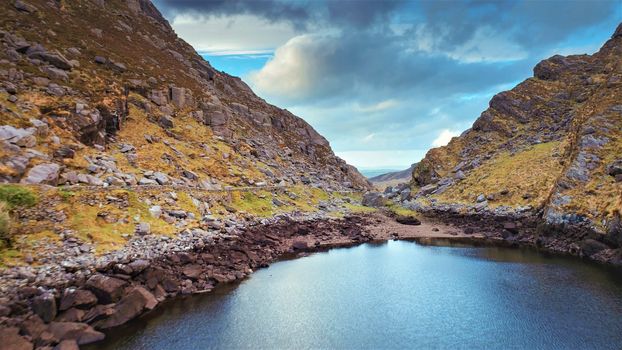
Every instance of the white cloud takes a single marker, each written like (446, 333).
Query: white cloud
(394, 159)
(444, 137)
(378, 107)
(291, 72)
(368, 138)
(233, 34)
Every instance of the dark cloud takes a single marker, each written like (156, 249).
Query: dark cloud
(356, 13)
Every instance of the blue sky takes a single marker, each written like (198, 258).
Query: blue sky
(384, 81)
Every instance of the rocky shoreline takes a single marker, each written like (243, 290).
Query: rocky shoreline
(78, 307)
(72, 310)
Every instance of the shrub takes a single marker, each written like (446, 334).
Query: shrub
(5, 225)
(17, 196)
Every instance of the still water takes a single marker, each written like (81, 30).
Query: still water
(397, 295)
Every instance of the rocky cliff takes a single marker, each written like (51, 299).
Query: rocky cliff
(550, 148)
(100, 91)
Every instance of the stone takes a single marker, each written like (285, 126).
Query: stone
(16, 135)
(407, 220)
(55, 73)
(80, 332)
(100, 60)
(614, 169)
(79, 298)
(146, 182)
(44, 306)
(24, 6)
(64, 152)
(480, 198)
(590, 247)
(299, 245)
(166, 122)
(138, 266)
(11, 340)
(373, 199)
(107, 289)
(143, 228)
(510, 227)
(161, 178)
(192, 271)
(178, 96)
(55, 59)
(155, 211)
(46, 173)
(69, 344)
(128, 308)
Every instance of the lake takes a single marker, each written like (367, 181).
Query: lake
(397, 295)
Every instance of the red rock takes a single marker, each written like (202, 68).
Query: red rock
(77, 298)
(67, 345)
(80, 332)
(128, 308)
(300, 245)
(44, 305)
(11, 340)
(192, 271)
(107, 289)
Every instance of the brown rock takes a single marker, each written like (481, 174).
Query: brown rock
(107, 289)
(67, 345)
(77, 298)
(128, 308)
(44, 305)
(192, 271)
(299, 245)
(80, 332)
(11, 340)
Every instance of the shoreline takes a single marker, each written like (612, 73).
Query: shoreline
(113, 296)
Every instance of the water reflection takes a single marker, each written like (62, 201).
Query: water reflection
(398, 295)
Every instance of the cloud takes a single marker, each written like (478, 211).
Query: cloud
(238, 34)
(381, 79)
(377, 107)
(444, 137)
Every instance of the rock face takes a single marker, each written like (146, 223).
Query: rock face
(549, 148)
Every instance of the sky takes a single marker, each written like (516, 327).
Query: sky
(385, 81)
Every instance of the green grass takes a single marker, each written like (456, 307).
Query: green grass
(17, 196)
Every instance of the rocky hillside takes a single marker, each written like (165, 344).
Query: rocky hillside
(551, 147)
(109, 80)
(136, 133)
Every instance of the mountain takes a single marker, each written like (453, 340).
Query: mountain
(550, 148)
(110, 80)
(402, 175)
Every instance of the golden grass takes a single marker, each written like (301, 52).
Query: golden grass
(532, 172)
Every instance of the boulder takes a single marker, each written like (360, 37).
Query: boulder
(161, 178)
(69, 344)
(407, 220)
(11, 340)
(166, 122)
(128, 308)
(79, 298)
(107, 289)
(300, 245)
(46, 173)
(178, 96)
(143, 228)
(24, 6)
(80, 332)
(373, 199)
(44, 306)
(590, 247)
(193, 271)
